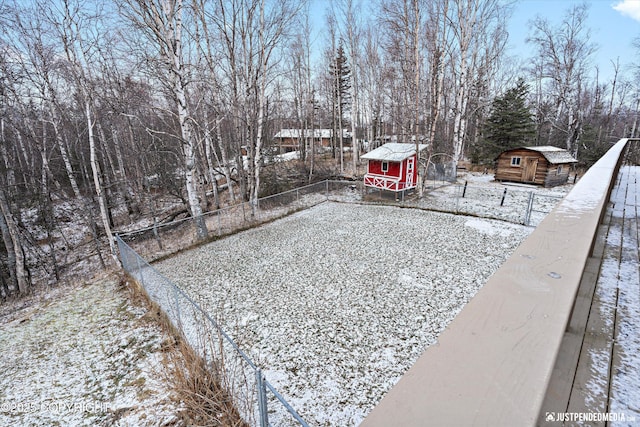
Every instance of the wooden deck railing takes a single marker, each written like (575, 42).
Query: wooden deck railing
(492, 364)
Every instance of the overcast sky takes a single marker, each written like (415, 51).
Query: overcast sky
(613, 23)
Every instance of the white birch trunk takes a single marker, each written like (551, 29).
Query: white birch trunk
(9, 167)
(95, 169)
(226, 167)
(459, 123)
(22, 279)
(12, 285)
(64, 154)
(416, 58)
(173, 37)
(209, 152)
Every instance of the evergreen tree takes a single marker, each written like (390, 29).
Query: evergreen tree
(510, 124)
(340, 74)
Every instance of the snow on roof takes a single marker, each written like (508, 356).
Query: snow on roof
(317, 133)
(554, 155)
(393, 152)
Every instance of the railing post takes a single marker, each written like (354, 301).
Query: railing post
(262, 399)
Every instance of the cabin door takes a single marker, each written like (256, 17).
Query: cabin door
(530, 167)
(409, 175)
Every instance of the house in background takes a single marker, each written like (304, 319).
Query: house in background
(392, 167)
(290, 139)
(545, 165)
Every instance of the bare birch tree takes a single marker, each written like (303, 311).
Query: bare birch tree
(77, 48)
(437, 41)
(13, 243)
(474, 23)
(563, 54)
(405, 21)
(162, 22)
(252, 33)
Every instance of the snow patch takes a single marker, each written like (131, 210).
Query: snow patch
(85, 358)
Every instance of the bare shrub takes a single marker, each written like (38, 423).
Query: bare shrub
(198, 386)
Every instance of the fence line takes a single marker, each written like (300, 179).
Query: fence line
(512, 204)
(244, 379)
(520, 206)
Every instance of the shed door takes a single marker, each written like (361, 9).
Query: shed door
(409, 175)
(530, 167)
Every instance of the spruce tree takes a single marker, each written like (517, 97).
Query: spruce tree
(341, 84)
(510, 124)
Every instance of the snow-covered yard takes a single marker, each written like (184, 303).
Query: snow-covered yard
(491, 199)
(336, 302)
(82, 356)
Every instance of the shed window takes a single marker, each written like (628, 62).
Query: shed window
(559, 170)
(385, 166)
(515, 161)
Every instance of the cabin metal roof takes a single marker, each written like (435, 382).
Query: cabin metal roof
(393, 152)
(554, 155)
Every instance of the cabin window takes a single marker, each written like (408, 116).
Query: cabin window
(515, 161)
(559, 170)
(385, 166)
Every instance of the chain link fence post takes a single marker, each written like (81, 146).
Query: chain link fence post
(262, 399)
(504, 195)
(527, 214)
(177, 301)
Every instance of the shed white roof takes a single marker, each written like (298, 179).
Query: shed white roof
(554, 155)
(393, 152)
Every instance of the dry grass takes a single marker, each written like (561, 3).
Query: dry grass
(198, 386)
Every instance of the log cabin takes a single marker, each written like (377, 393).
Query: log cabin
(545, 165)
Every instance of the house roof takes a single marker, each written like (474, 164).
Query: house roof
(554, 155)
(306, 133)
(393, 152)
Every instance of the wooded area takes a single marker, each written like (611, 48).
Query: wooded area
(108, 108)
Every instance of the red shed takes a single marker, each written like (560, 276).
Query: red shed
(392, 167)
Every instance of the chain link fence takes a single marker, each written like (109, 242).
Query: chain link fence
(525, 206)
(508, 203)
(162, 239)
(258, 402)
